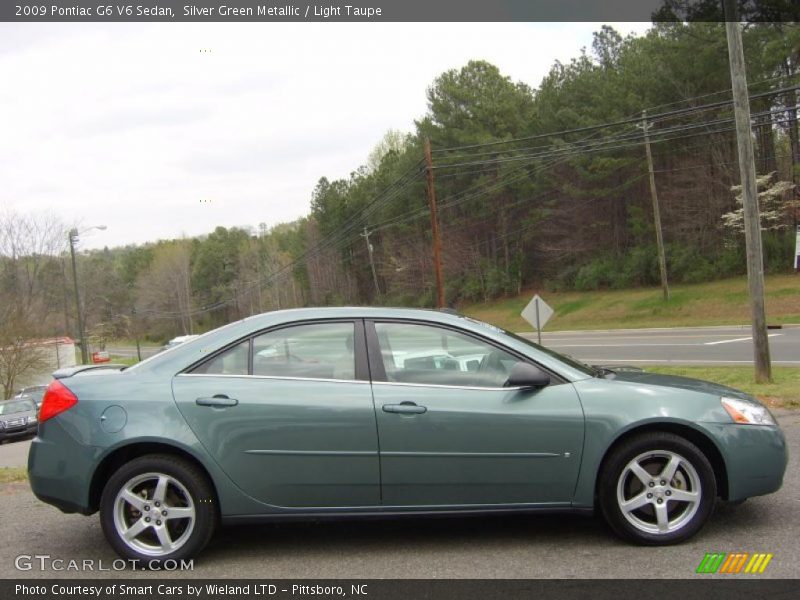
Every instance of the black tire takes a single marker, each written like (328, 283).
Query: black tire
(683, 518)
(188, 489)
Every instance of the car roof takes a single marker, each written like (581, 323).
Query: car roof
(355, 311)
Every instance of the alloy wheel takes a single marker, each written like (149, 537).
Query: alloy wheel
(658, 492)
(154, 514)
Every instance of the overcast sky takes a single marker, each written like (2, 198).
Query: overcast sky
(132, 126)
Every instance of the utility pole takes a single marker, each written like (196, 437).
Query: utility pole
(67, 325)
(662, 259)
(747, 168)
(73, 236)
(437, 243)
(135, 329)
(365, 235)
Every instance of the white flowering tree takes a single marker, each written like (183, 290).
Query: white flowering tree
(775, 201)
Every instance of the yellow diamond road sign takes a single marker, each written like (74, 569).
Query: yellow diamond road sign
(537, 313)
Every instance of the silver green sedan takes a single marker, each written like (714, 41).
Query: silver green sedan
(353, 412)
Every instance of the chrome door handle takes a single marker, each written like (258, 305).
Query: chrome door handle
(404, 408)
(220, 400)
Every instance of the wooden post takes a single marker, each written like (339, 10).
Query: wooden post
(365, 235)
(662, 258)
(752, 219)
(437, 243)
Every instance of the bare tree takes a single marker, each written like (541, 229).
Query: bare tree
(20, 356)
(27, 244)
(164, 288)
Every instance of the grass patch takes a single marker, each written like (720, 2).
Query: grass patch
(119, 360)
(12, 474)
(783, 392)
(132, 343)
(723, 302)
(568, 307)
(782, 292)
(657, 305)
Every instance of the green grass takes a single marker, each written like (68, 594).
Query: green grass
(570, 307)
(783, 392)
(12, 474)
(119, 360)
(132, 342)
(723, 302)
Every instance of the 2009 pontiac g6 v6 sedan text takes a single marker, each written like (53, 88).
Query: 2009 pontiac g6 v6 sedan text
(348, 412)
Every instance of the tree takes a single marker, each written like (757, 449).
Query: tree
(28, 245)
(393, 142)
(775, 201)
(163, 290)
(214, 269)
(20, 356)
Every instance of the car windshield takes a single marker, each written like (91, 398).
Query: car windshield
(9, 408)
(568, 360)
(35, 393)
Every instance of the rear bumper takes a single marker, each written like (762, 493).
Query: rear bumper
(60, 469)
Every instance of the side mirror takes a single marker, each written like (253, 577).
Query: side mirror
(527, 376)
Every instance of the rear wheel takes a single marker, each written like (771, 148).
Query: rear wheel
(657, 488)
(157, 508)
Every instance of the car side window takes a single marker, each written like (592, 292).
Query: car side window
(234, 361)
(314, 351)
(430, 355)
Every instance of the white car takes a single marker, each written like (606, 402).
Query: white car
(177, 341)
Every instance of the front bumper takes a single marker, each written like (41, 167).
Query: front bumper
(60, 469)
(755, 458)
(18, 432)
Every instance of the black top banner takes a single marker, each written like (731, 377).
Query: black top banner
(393, 10)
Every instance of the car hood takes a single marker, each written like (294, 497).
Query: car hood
(685, 383)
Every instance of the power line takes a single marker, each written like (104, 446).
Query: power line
(627, 121)
(659, 136)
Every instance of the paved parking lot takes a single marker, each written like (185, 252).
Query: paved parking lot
(507, 547)
(15, 454)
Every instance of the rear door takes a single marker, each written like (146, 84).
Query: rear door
(452, 434)
(288, 414)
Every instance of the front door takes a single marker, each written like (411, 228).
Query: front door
(289, 416)
(451, 434)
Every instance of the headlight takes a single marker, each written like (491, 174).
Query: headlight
(31, 419)
(747, 413)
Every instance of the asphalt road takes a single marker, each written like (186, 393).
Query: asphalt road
(680, 346)
(131, 352)
(502, 547)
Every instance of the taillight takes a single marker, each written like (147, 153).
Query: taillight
(56, 400)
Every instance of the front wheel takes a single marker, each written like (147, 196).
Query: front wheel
(657, 489)
(158, 508)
